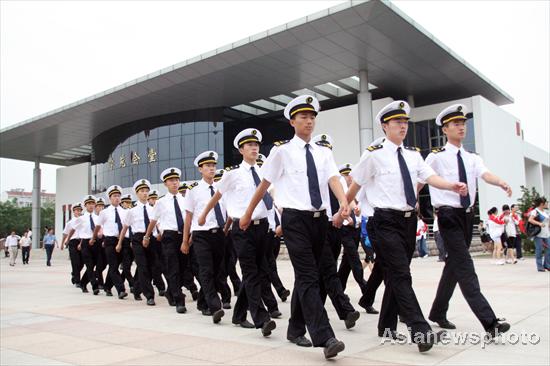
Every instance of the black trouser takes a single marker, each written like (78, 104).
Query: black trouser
(188, 276)
(440, 245)
(145, 262)
(455, 225)
(157, 270)
(519, 253)
(209, 250)
(49, 251)
(377, 274)
(396, 241)
(173, 264)
(251, 246)
(113, 260)
(102, 264)
(350, 259)
(271, 253)
(230, 260)
(25, 253)
(305, 239)
(76, 261)
(127, 257)
(334, 240)
(90, 256)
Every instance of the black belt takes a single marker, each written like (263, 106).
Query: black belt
(172, 232)
(252, 222)
(314, 214)
(211, 231)
(466, 210)
(409, 213)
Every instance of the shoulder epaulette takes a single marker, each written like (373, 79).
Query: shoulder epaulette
(281, 142)
(374, 147)
(229, 168)
(191, 186)
(472, 152)
(324, 144)
(413, 148)
(436, 150)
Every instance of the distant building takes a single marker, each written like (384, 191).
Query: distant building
(24, 199)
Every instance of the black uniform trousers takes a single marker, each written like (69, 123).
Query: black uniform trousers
(145, 261)
(101, 263)
(113, 260)
(157, 270)
(173, 265)
(455, 226)
(377, 274)
(209, 248)
(271, 253)
(251, 246)
(127, 258)
(305, 239)
(395, 244)
(76, 261)
(230, 259)
(90, 254)
(334, 240)
(350, 259)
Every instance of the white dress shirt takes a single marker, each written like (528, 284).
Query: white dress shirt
(70, 225)
(379, 169)
(136, 219)
(196, 200)
(286, 167)
(107, 220)
(237, 187)
(165, 213)
(82, 226)
(364, 205)
(445, 164)
(12, 240)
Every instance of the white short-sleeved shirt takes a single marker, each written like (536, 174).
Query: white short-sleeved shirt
(364, 205)
(70, 225)
(107, 220)
(237, 187)
(379, 169)
(136, 218)
(12, 240)
(164, 211)
(286, 167)
(83, 226)
(196, 200)
(445, 164)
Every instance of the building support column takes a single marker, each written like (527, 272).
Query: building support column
(364, 106)
(36, 190)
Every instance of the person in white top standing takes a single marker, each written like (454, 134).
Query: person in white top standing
(512, 220)
(12, 243)
(25, 247)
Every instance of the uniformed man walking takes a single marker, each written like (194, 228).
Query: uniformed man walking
(302, 173)
(90, 253)
(72, 240)
(455, 218)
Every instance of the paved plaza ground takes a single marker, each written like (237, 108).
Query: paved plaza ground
(46, 321)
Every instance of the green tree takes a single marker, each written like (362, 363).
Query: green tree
(19, 219)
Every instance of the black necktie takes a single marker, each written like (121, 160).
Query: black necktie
(179, 217)
(145, 217)
(92, 225)
(217, 211)
(464, 200)
(313, 180)
(267, 197)
(407, 181)
(277, 221)
(117, 220)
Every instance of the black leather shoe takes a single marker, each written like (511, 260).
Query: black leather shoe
(181, 309)
(195, 295)
(284, 295)
(226, 305)
(245, 324)
(85, 290)
(96, 291)
(371, 310)
(108, 293)
(217, 316)
(137, 297)
(131, 289)
(275, 314)
(162, 292)
(268, 327)
(122, 295)
(206, 312)
(333, 347)
(497, 328)
(151, 302)
(431, 339)
(300, 341)
(444, 323)
(392, 334)
(351, 318)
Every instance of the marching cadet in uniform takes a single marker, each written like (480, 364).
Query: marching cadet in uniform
(390, 170)
(207, 240)
(73, 243)
(188, 275)
(158, 281)
(126, 254)
(101, 258)
(455, 218)
(168, 213)
(302, 172)
(90, 253)
(237, 186)
(110, 220)
(138, 220)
